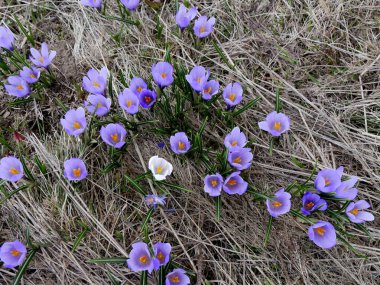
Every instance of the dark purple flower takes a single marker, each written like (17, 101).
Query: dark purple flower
(161, 144)
(95, 81)
(30, 75)
(97, 104)
(140, 258)
(235, 139)
(12, 253)
(312, 202)
(92, 3)
(17, 86)
(234, 184)
(177, 277)
(280, 204)
(233, 94)
(113, 135)
(42, 58)
(240, 158)
(210, 88)
(323, 234)
(162, 74)
(179, 143)
(203, 26)
(356, 213)
(129, 101)
(328, 179)
(74, 121)
(162, 254)
(275, 124)
(153, 200)
(147, 98)
(213, 184)
(184, 17)
(7, 38)
(11, 169)
(346, 189)
(198, 77)
(137, 85)
(75, 169)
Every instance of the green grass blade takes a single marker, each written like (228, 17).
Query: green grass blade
(81, 236)
(24, 266)
(268, 231)
(218, 204)
(117, 260)
(135, 185)
(147, 218)
(144, 278)
(246, 107)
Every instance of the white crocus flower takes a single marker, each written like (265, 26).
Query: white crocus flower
(160, 167)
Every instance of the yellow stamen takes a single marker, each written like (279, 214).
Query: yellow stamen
(237, 160)
(150, 200)
(214, 182)
(99, 105)
(231, 182)
(175, 279)
(199, 80)
(76, 125)
(115, 138)
(277, 126)
(232, 97)
(41, 59)
(139, 89)
(129, 103)
(355, 212)
(163, 75)
(96, 84)
(181, 145)
(15, 252)
(321, 231)
(327, 182)
(143, 259)
(147, 99)
(13, 171)
(309, 205)
(20, 87)
(159, 169)
(32, 75)
(234, 143)
(207, 91)
(160, 256)
(77, 172)
(202, 29)
(277, 204)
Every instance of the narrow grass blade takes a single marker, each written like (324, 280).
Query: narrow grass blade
(81, 236)
(118, 260)
(268, 231)
(10, 194)
(218, 204)
(144, 278)
(278, 102)
(175, 186)
(224, 58)
(112, 278)
(246, 107)
(28, 34)
(24, 266)
(147, 218)
(27, 172)
(161, 275)
(135, 185)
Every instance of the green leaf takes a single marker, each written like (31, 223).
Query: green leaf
(278, 102)
(224, 58)
(135, 185)
(21, 271)
(144, 278)
(175, 186)
(79, 239)
(112, 278)
(10, 194)
(118, 260)
(147, 218)
(246, 107)
(111, 166)
(21, 101)
(218, 204)
(27, 34)
(27, 172)
(268, 231)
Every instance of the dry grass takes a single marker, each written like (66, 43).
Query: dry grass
(322, 55)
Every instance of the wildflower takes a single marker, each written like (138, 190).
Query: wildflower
(161, 253)
(312, 202)
(147, 98)
(346, 189)
(275, 124)
(235, 139)
(328, 179)
(92, 3)
(42, 58)
(280, 204)
(140, 258)
(131, 5)
(203, 26)
(322, 234)
(129, 101)
(17, 86)
(97, 104)
(184, 16)
(240, 158)
(210, 88)
(12, 253)
(74, 121)
(213, 184)
(197, 77)
(11, 169)
(155, 200)
(162, 74)
(18, 137)
(235, 184)
(161, 144)
(7, 38)
(30, 75)
(160, 167)
(233, 94)
(137, 85)
(179, 143)
(356, 213)
(113, 135)
(177, 277)
(95, 81)
(75, 169)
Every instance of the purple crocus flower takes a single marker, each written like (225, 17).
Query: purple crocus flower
(280, 204)
(30, 75)
(7, 38)
(17, 86)
(129, 101)
(131, 5)
(97, 104)
(154, 200)
(92, 3)
(74, 121)
(95, 81)
(184, 17)
(42, 58)
(322, 234)
(137, 85)
(203, 26)
(12, 253)
(346, 189)
(147, 98)
(328, 179)
(210, 88)
(179, 143)
(233, 94)
(356, 213)
(140, 258)
(213, 184)
(177, 277)
(235, 139)
(240, 158)
(312, 202)
(162, 254)
(198, 77)
(235, 184)
(74, 169)
(11, 169)
(162, 74)
(275, 124)
(113, 135)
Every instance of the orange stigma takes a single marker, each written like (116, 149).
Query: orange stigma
(76, 125)
(96, 84)
(327, 182)
(115, 138)
(159, 169)
(143, 259)
(321, 231)
(214, 182)
(175, 279)
(355, 212)
(19, 87)
(13, 171)
(207, 91)
(147, 99)
(231, 182)
(234, 143)
(41, 59)
(237, 160)
(129, 103)
(139, 89)
(160, 256)
(232, 97)
(277, 204)
(181, 145)
(202, 29)
(309, 205)
(277, 126)
(163, 75)
(15, 252)
(77, 172)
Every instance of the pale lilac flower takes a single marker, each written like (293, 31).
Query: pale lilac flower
(42, 58)
(275, 124)
(355, 212)
(140, 258)
(328, 179)
(180, 143)
(92, 3)
(213, 184)
(30, 75)
(7, 38)
(137, 85)
(12, 253)
(113, 135)
(11, 169)
(162, 74)
(233, 94)
(129, 101)
(74, 121)
(210, 88)
(98, 104)
(346, 189)
(160, 167)
(153, 200)
(235, 184)
(75, 169)
(280, 204)
(131, 5)
(240, 158)
(323, 234)
(235, 139)
(161, 253)
(197, 77)
(95, 81)
(177, 277)
(203, 26)
(184, 16)
(17, 86)
(312, 202)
